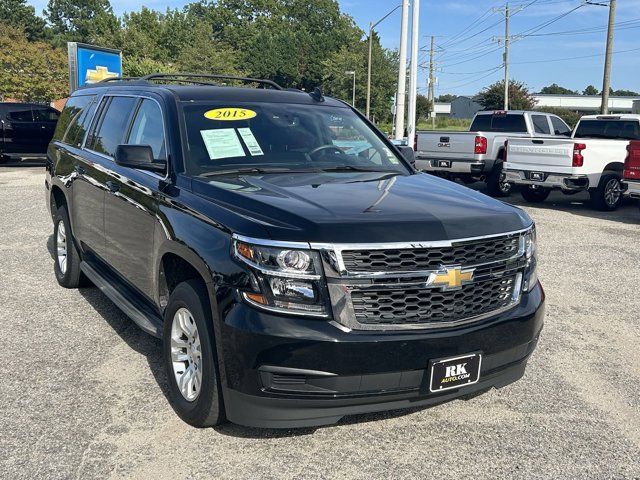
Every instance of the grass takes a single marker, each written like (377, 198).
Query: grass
(442, 123)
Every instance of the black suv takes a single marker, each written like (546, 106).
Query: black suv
(296, 266)
(25, 130)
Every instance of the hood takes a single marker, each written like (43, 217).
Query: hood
(360, 207)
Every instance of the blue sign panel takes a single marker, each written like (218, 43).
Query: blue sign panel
(90, 64)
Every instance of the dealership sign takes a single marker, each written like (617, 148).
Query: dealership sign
(90, 64)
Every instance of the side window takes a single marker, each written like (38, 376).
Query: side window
(541, 124)
(20, 113)
(69, 112)
(112, 126)
(559, 127)
(147, 129)
(80, 124)
(45, 114)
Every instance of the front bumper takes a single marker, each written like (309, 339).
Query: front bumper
(552, 180)
(632, 188)
(457, 166)
(281, 372)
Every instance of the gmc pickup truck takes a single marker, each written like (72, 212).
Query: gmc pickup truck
(479, 153)
(296, 266)
(591, 160)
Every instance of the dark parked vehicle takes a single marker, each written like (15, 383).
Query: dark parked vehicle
(26, 130)
(295, 264)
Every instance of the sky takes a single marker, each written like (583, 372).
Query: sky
(569, 51)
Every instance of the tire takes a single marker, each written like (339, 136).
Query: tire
(608, 195)
(189, 347)
(496, 184)
(66, 255)
(534, 194)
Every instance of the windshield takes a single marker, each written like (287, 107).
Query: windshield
(277, 137)
(612, 129)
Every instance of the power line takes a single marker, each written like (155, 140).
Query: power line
(575, 58)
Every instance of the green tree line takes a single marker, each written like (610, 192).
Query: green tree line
(293, 42)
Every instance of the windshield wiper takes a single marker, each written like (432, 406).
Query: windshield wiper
(253, 170)
(353, 168)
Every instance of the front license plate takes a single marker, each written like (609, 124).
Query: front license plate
(455, 372)
(444, 163)
(537, 176)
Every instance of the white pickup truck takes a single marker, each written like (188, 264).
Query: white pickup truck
(477, 155)
(591, 160)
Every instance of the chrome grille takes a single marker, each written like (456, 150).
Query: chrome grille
(406, 260)
(432, 306)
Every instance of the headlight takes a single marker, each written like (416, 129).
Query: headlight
(530, 275)
(287, 280)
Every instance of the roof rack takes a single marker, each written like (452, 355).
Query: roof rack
(118, 79)
(188, 76)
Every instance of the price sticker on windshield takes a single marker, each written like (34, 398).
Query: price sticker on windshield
(230, 114)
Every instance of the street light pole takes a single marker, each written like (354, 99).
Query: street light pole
(353, 72)
(402, 72)
(372, 25)
(606, 81)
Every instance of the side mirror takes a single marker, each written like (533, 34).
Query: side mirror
(139, 156)
(408, 154)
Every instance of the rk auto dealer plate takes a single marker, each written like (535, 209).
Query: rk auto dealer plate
(456, 372)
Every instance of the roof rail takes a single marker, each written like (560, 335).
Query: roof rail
(118, 79)
(179, 76)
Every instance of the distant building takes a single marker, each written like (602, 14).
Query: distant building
(464, 107)
(442, 109)
(585, 103)
(636, 106)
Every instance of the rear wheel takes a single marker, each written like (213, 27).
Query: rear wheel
(608, 195)
(190, 356)
(497, 184)
(66, 256)
(534, 194)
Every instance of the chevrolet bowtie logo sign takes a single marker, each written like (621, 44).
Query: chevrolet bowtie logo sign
(99, 74)
(452, 278)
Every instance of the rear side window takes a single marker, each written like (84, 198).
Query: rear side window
(20, 113)
(500, 123)
(613, 129)
(112, 125)
(80, 124)
(45, 114)
(541, 124)
(559, 127)
(147, 128)
(70, 111)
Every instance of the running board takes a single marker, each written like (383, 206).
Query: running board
(147, 321)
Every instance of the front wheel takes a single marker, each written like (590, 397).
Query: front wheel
(190, 356)
(608, 195)
(534, 194)
(497, 184)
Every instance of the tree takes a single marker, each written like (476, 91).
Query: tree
(423, 107)
(555, 89)
(32, 71)
(80, 20)
(492, 97)
(18, 14)
(591, 90)
(624, 93)
(446, 98)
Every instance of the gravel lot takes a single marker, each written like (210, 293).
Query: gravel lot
(82, 390)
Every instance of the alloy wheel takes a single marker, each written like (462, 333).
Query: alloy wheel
(186, 354)
(612, 192)
(61, 247)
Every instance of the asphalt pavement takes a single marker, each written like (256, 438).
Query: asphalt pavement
(83, 393)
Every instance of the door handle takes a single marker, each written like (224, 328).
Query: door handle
(79, 170)
(538, 142)
(113, 186)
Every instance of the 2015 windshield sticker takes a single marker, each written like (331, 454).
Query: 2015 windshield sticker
(230, 114)
(250, 141)
(222, 143)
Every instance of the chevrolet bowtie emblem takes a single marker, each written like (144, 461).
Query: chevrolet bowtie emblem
(99, 74)
(452, 278)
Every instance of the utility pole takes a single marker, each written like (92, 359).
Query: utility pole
(606, 81)
(431, 86)
(413, 76)
(507, 43)
(402, 71)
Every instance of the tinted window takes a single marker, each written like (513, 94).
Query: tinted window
(80, 124)
(614, 129)
(71, 110)
(147, 128)
(500, 123)
(112, 127)
(540, 124)
(559, 127)
(20, 113)
(45, 114)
